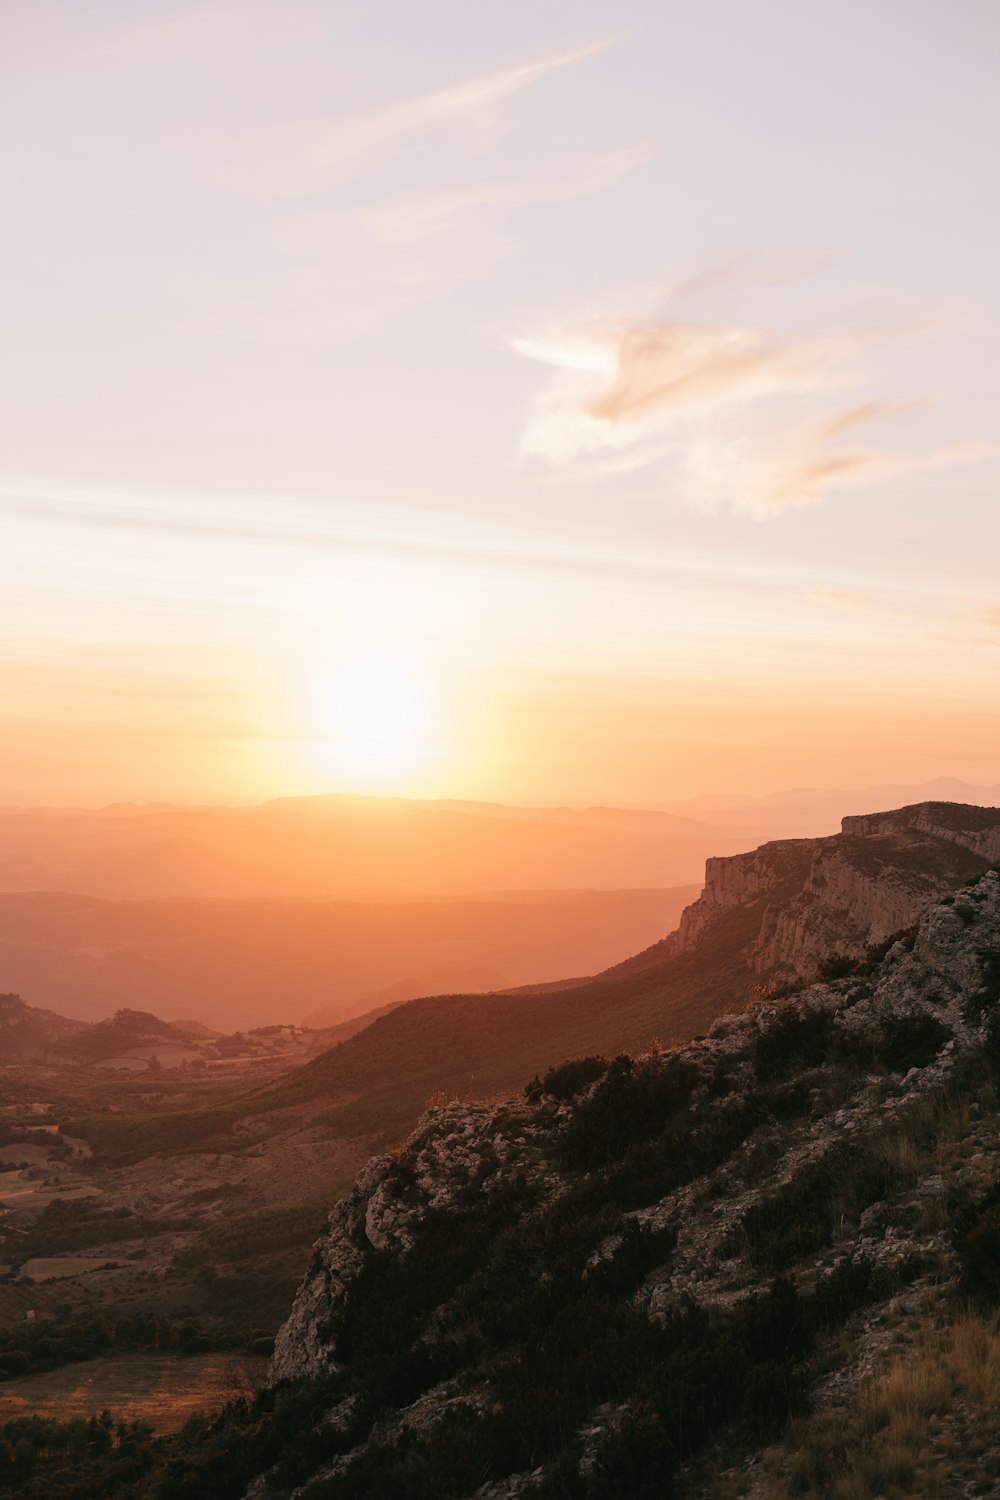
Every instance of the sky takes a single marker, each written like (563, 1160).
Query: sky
(533, 402)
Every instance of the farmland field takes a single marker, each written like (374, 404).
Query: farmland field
(161, 1389)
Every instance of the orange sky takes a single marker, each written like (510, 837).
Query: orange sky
(497, 404)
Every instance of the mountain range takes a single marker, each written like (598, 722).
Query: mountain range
(349, 848)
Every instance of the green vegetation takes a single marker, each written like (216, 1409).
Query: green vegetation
(75, 1224)
(49, 1343)
(77, 1460)
(120, 1139)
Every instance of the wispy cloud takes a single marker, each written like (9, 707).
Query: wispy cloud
(360, 244)
(457, 105)
(413, 220)
(752, 423)
(847, 599)
(205, 520)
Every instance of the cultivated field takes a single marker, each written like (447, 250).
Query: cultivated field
(161, 1389)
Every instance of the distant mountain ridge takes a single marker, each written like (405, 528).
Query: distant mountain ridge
(349, 848)
(806, 812)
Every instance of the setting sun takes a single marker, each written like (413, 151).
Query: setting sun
(376, 714)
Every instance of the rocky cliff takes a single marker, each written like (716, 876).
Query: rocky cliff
(686, 1274)
(838, 895)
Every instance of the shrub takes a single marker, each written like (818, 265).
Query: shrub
(794, 1039)
(975, 1231)
(912, 1041)
(838, 966)
(569, 1079)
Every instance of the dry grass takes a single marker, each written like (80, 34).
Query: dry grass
(926, 1422)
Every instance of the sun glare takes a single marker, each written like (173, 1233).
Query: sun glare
(376, 713)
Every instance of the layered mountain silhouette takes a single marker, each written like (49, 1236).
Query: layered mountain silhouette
(349, 847)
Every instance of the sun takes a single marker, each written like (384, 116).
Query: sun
(375, 712)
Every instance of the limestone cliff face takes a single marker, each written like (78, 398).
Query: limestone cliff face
(772, 873)
(839, 894)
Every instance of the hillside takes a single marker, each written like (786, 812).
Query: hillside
(687, 1272)
(127, 1031)
(764, 917)
(695, 1273)
(27, 1031)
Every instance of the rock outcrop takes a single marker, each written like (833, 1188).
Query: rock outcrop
(576, 1295)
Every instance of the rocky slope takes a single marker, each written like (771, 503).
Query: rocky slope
(683, 1274)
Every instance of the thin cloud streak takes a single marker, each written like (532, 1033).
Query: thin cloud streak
(845, 599)
(409, 221)
(18, 505)
(395, 123)
(341, 541)
(352, 265)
